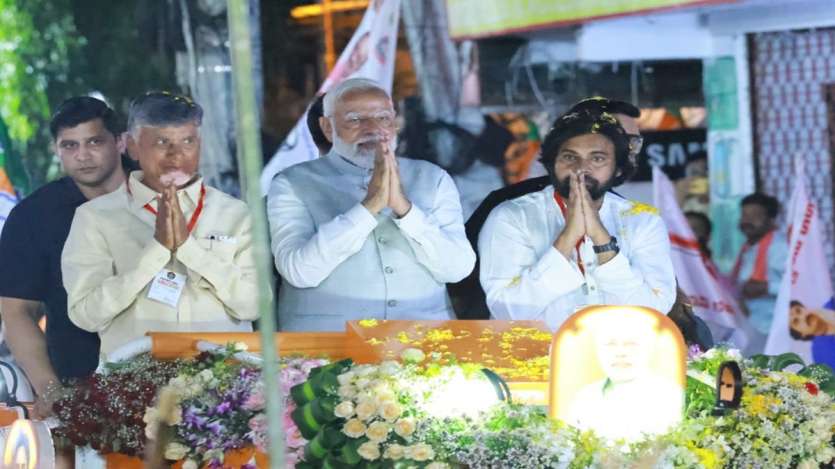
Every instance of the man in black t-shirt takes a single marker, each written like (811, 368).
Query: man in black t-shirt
(88, 139)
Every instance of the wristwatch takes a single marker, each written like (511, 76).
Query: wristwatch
(612, 245)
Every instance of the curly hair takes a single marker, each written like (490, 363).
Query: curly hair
(574, 124)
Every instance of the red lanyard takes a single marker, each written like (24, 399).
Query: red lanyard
(194, 216)
(561, 205)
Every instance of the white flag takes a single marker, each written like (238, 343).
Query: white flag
(697, 276)
(803, 312)
(369, 54)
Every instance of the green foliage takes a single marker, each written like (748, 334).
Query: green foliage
(38, 44)
(51, 50)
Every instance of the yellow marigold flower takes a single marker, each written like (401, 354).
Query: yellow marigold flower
(368, 322)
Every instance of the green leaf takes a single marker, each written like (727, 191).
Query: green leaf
(784, 360)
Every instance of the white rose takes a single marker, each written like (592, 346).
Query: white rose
(344, 410)
(345, 378)
(366, 410)
(394, 451)
(190, 464)
(369, 450)
(175, 451)
(378, 431)
(404, 427)
(362, 383)
(384, 396)
(390, 411)
(420, 452)
(354, 428)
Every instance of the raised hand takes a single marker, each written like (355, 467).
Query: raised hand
(178, 220)
(398, 202)
(575, 224)
(164, 231)
(591, 216)
(379, 189)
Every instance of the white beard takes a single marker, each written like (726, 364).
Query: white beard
(353, 152)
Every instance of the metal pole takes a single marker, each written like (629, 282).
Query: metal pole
(250, 166)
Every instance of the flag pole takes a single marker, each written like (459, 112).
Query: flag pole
(249, 164)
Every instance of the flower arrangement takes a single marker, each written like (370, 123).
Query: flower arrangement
(367, 415)
(436, 413)
(105, 410)
(212, 416)
(293, 371)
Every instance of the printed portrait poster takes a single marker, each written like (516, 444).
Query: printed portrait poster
(619, 371)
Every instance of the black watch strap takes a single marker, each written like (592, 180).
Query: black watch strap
(612, 245)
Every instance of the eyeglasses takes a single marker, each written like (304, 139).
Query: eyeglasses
(636, 142)
(353, 120)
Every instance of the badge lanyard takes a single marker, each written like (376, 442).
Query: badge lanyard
(194, 216)
(561, 205)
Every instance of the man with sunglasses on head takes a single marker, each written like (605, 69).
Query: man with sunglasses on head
(89, 142)
(360, 233)
(468, 297)
(164, 252)
(574, 243)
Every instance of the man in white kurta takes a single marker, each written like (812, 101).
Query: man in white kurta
(359, 233)
(545, 255)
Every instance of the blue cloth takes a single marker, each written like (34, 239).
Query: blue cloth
(823, 350)
(762, 309)
(30, 256)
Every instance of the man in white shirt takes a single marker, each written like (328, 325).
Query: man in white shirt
(546, 254)
(163, 252)
(360, 233)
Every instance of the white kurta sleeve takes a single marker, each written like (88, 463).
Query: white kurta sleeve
(437, 237)
(305, 255)
(646, 276)
(519, 282)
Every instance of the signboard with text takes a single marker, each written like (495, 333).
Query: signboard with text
(481, 18)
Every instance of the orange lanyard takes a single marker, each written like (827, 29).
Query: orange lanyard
(194, 216)
(760, 271)
(561, 205)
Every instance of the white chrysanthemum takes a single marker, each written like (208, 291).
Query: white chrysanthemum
(405, 427)
(420, 452)
(346, 392)
(354, 428)
(437, 465)
(390, 411)
(394, 451)
(366, 410)
(346, 378)
(344, 410)
(369, 451)
(378, 431)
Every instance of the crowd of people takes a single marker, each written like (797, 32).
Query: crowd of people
(131, 240)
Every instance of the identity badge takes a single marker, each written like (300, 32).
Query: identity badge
(167, 287)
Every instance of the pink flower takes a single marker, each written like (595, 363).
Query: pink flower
(256, 400)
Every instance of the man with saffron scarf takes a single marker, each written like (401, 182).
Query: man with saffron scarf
(762, 259)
